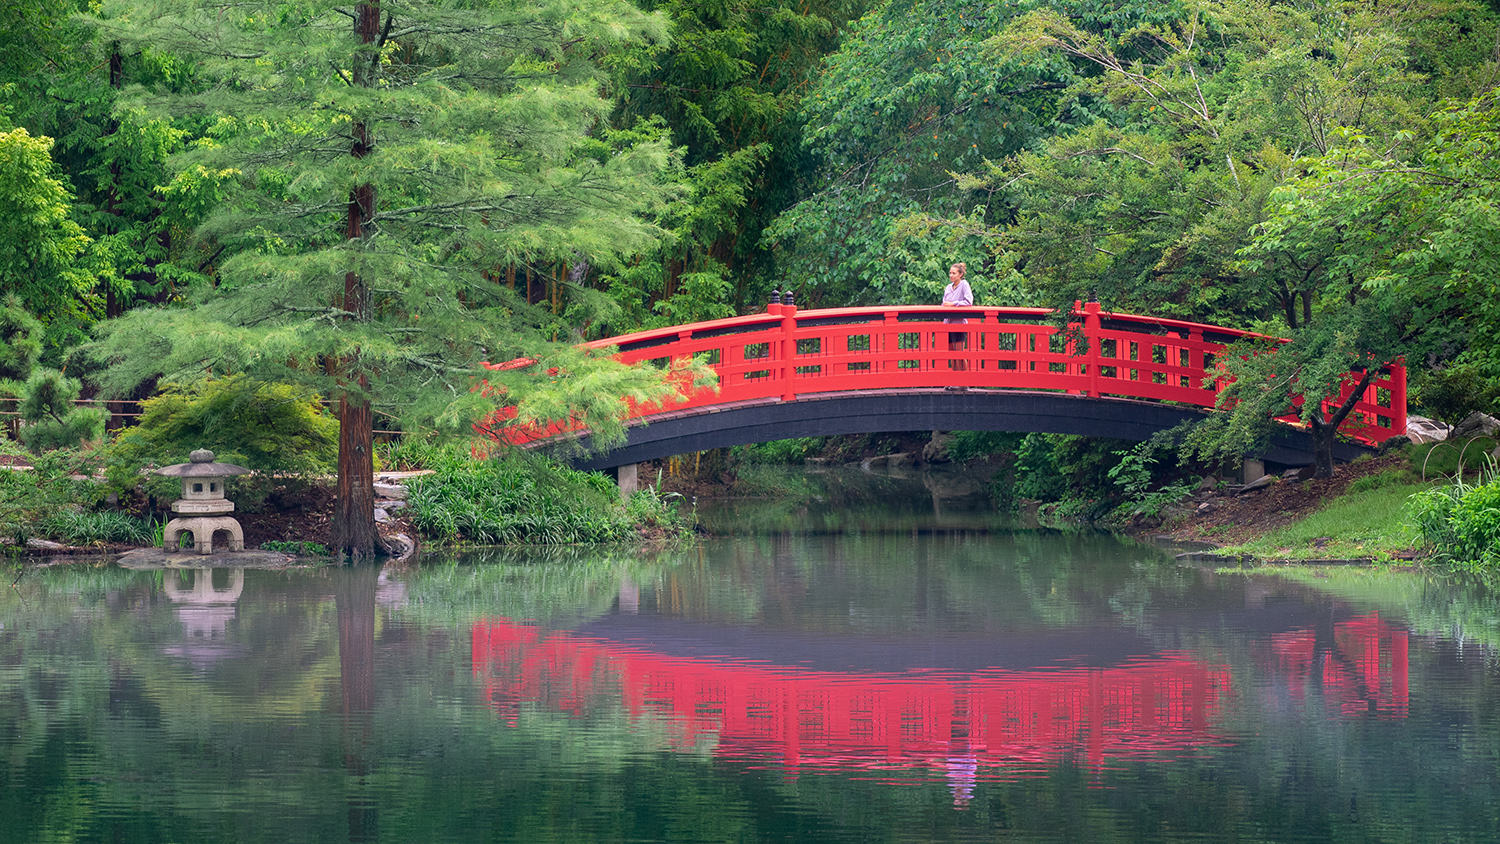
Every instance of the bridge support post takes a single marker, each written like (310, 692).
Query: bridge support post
(625, 477)
(1252, 469)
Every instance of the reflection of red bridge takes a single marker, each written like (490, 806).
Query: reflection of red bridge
(991, 718)
(1363, 671)
(791, 373)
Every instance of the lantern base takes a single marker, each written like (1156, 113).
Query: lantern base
(202, 528)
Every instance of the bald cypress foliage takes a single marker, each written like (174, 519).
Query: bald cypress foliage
(373, 169)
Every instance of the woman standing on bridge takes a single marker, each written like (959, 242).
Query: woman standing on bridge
(957, 295)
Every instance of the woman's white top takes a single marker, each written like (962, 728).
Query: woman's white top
(957, 294)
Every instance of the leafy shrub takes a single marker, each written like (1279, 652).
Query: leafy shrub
(1038, 475)
(1461, 521)
(964, 446)
(273, 429)
(1451, 394)
(27, 498)
(779, 451)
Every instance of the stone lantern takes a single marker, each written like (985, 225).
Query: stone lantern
(203, 508)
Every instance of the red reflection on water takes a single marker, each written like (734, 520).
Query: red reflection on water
(1363, 670)
(955, 722)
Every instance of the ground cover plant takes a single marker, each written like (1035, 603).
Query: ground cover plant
(52, 499)
(1460, 521)
(522, 499)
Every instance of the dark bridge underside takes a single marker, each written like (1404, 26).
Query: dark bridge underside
(868, 412)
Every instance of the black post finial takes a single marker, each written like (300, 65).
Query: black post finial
(787, 299)
(775, 296)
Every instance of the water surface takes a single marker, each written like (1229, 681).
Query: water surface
(930, 674)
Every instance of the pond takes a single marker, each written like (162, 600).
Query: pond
(846, 667)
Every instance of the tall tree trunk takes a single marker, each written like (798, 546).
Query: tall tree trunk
(354, 532)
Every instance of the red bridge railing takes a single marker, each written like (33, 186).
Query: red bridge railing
(787, 353)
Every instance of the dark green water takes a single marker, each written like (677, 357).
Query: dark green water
(919, 676)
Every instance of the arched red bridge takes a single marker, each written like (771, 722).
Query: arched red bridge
(790, 373)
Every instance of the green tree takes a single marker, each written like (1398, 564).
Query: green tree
(62, 82)
(1202, 111)
(41, 247)
(909, 98)
(1209, 109)
(375, 159)
(20, 340)
(729, 86)
(48, 404)
(1405, 257)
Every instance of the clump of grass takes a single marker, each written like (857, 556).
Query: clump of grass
(519, 499)
(1460, 521)
(652, 511)
(413, 453)
(90, 527)
(299, 548)
(1388, 478)
(1369, 523)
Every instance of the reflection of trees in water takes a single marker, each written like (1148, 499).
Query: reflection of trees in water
(916, 580)
(108, 737)
(1429, 603)
(852, 500)
(549, 584)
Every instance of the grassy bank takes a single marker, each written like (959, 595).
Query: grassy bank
(1415, 504)
(1369, 524)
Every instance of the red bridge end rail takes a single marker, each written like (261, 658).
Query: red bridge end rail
(786, 353)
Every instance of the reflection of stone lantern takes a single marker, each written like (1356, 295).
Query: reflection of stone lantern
(203, 507)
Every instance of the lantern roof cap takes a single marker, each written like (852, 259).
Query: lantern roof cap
(202, 465)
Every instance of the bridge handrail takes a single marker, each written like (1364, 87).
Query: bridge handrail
(655, 336)
(785, 353)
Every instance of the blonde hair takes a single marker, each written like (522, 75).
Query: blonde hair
(963, 270)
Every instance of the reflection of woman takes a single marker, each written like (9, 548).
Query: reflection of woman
(957, 295)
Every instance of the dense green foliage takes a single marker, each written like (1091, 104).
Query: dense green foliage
(1461, 521)
(730, 86)
(524, 500)
(367, 212)
(52, 500)
(271, 428)
(52, 419)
